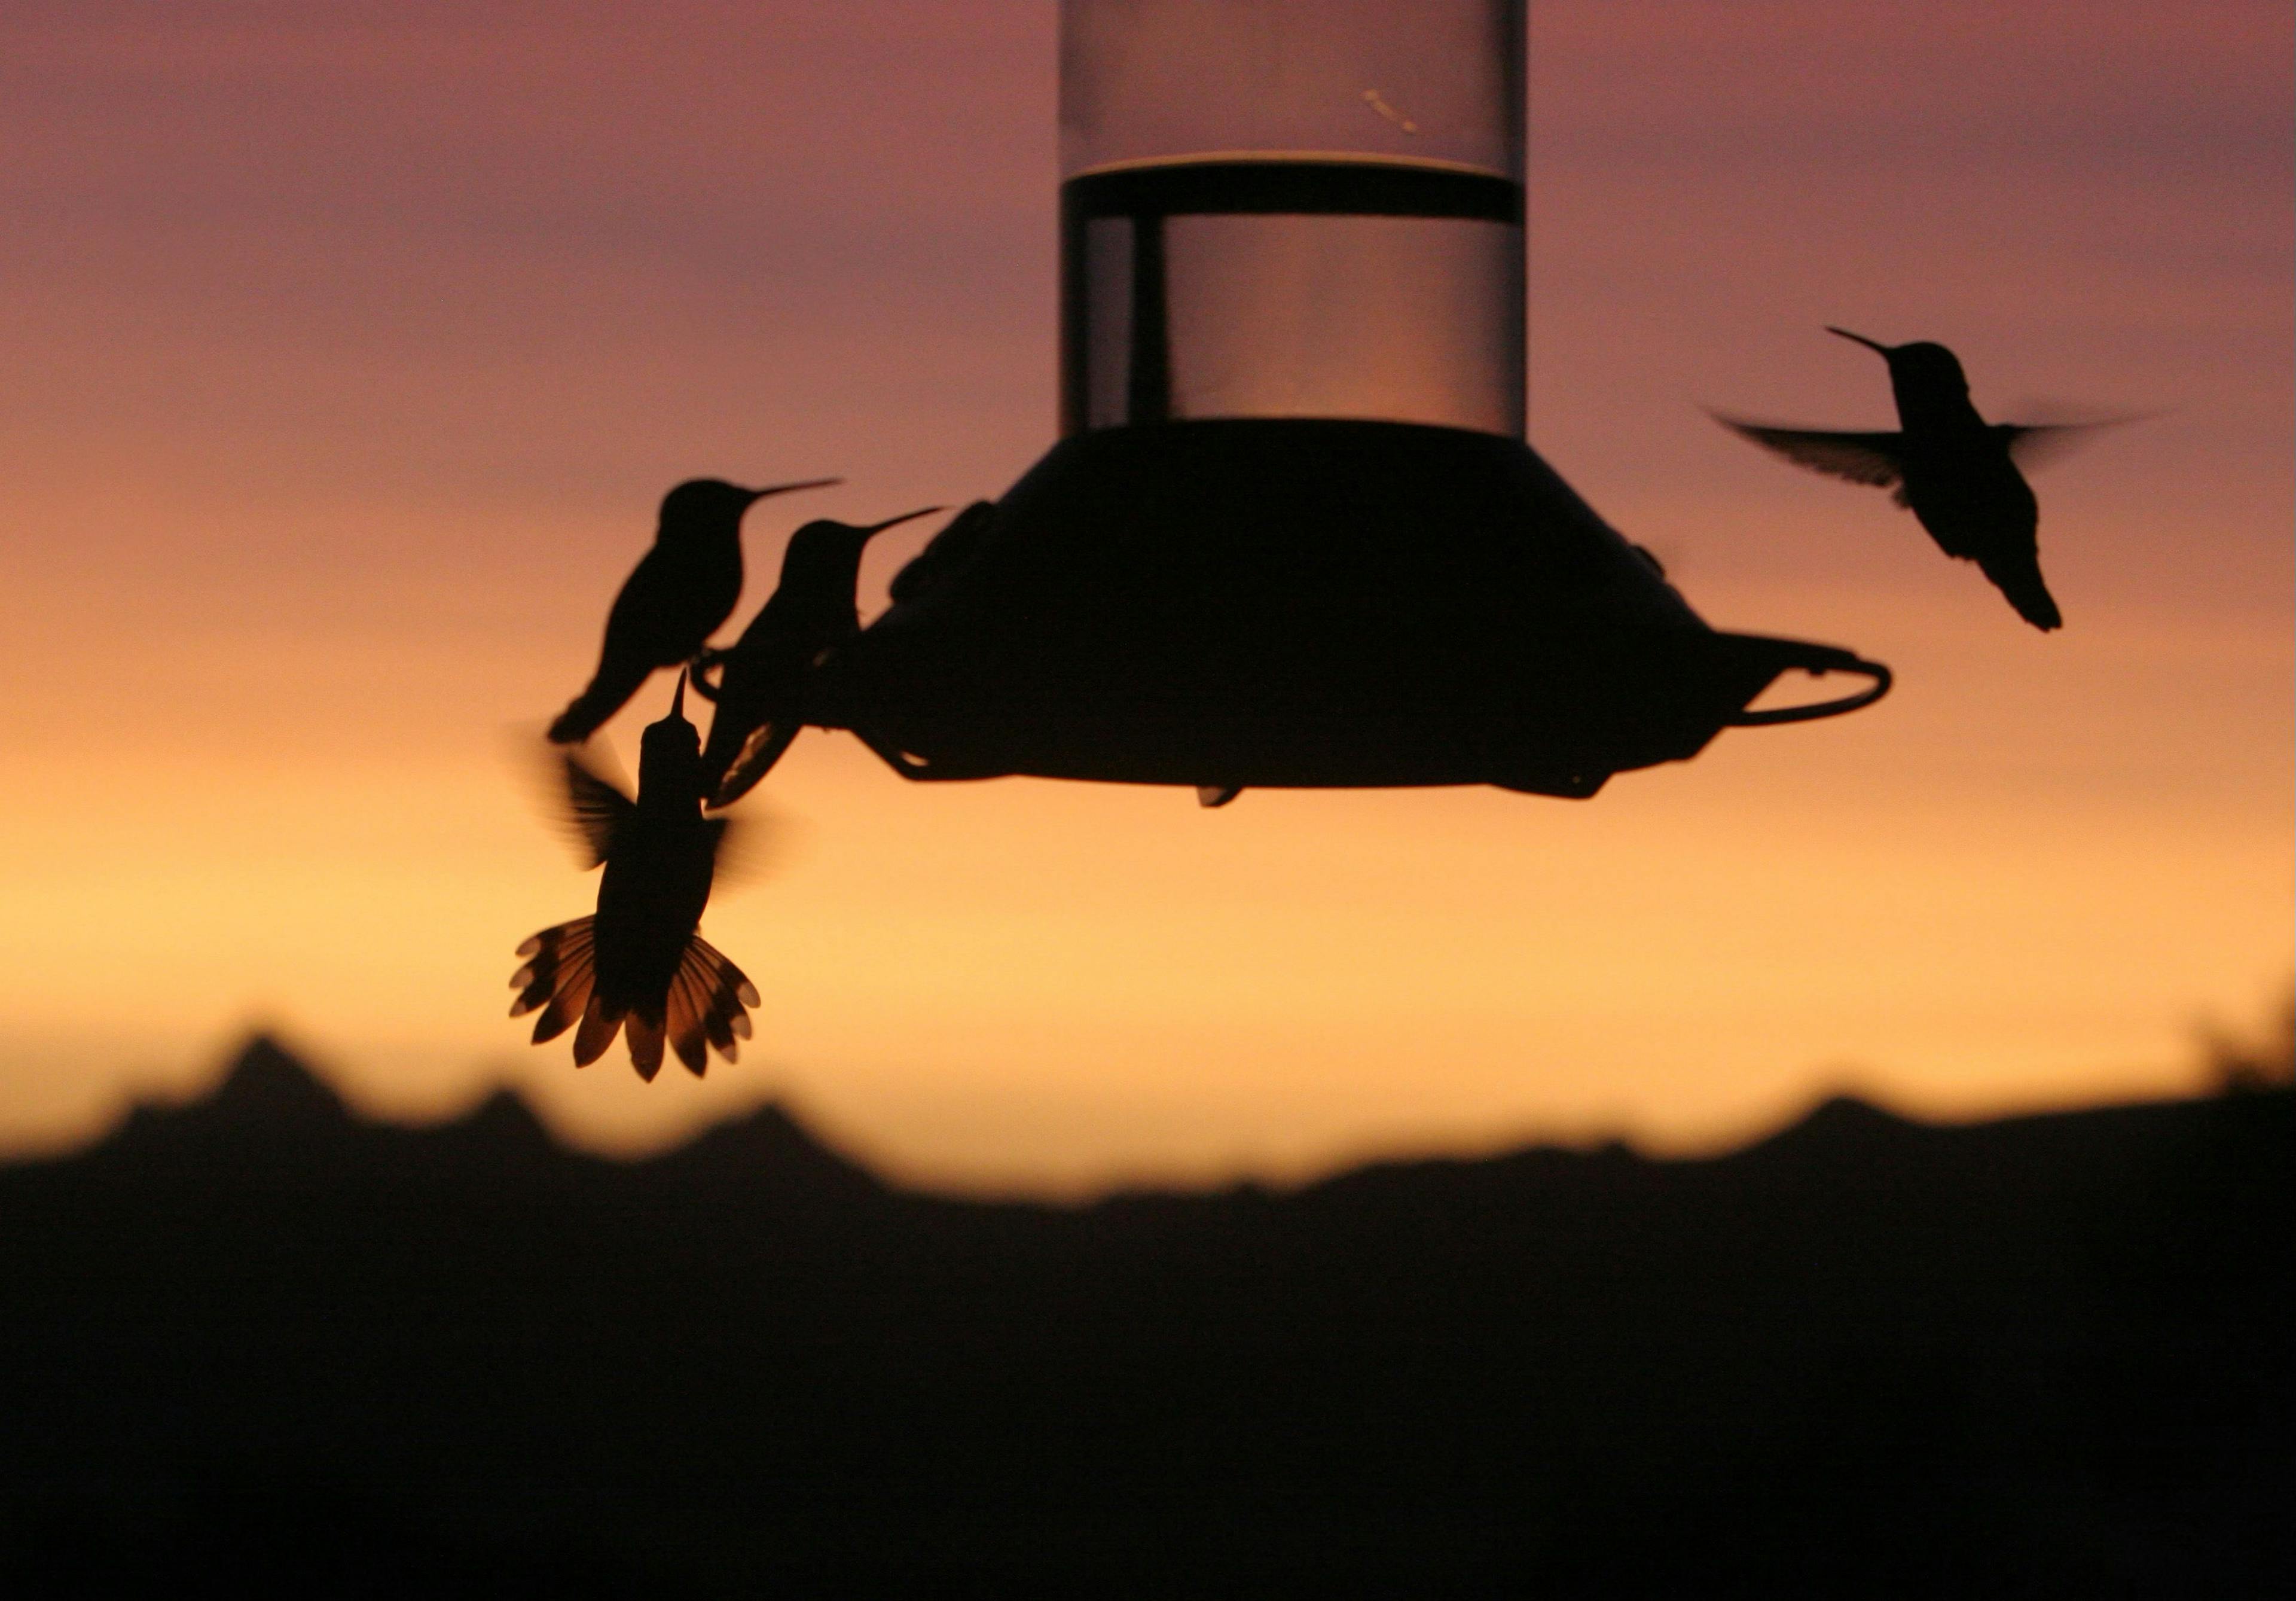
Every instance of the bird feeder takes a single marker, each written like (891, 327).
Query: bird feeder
(1291, 535)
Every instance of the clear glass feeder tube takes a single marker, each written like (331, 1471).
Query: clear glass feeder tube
(1303, 208)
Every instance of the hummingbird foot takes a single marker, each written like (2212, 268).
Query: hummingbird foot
(708, 660)
(760, 749)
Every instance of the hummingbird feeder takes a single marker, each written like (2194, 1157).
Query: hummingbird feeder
(1292, 534)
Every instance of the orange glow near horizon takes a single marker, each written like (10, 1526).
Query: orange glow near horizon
(342, 411)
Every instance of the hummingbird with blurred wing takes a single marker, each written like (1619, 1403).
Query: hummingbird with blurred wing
(761, 677)
(640, 961)
(1957, 472)
(674, 598)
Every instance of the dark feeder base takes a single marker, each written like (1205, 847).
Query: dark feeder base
(1280, 604)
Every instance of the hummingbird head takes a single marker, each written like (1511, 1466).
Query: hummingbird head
(711, 504)
(670, 753)
(826, 556)
(1922, 368)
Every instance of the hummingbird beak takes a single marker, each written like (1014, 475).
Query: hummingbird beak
(804, 483)
(1876, 346)
(677, 700)
(874, 528)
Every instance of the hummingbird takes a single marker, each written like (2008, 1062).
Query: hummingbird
(761, 676)
(947, 551)
(640, 959)
(674, 599)
(1957, 472)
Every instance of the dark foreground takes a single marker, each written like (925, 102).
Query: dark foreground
(255, 1340)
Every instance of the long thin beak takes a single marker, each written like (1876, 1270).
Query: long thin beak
(677, 700)
(874, 528)
(1876, 346)
(804, 483)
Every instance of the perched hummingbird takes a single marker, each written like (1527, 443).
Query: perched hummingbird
(674, 599)
(640, 960)
(945, 553)
(1958, 472)
(757, 692)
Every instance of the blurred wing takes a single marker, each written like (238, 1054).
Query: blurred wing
(593, 806)
(1863, 458)
(2038, 444)
(744, 848)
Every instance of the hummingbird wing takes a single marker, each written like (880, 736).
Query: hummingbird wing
(628, 656)
(2038, 444)
(617, 678)
(1863, 458)
(593, 806)
(743, 848)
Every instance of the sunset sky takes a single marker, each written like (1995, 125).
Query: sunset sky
(348, 349)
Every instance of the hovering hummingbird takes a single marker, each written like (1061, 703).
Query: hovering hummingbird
(639, 960)
(757, 691)
(1957, 472)
(674, 599)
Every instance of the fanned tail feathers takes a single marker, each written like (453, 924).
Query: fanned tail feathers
(706, 1005)
(645, 1043)
(558, 978)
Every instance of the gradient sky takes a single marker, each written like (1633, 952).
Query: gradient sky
(348, 348)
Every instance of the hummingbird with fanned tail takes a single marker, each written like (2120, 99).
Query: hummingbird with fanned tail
(674, 598)
(762, 674)
(1958, 473)
(640, 962)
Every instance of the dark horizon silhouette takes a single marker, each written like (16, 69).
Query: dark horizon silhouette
(254, 1339)
(1957, 473)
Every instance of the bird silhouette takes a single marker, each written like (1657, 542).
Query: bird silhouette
(761, 677)
(1956, 472)
(674, 599)
(945, 553)
(639, 960)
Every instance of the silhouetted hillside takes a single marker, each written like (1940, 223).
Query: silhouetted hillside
(256, 1339)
